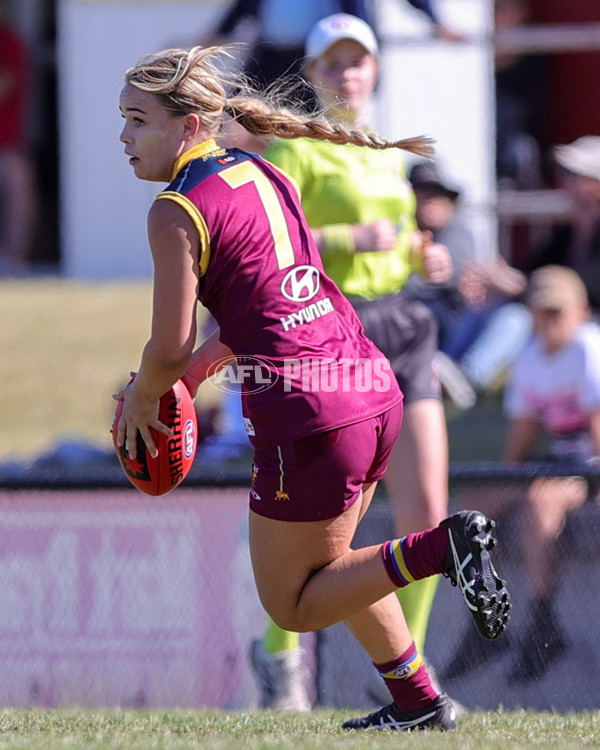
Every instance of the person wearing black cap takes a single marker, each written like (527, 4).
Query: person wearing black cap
(481, 323)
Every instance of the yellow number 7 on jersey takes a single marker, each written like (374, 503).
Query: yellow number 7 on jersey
(242, 174)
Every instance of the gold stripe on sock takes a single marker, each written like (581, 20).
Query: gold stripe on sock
(405, 670)
(399, 558)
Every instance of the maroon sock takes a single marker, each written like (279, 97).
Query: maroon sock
(415, 556)
(407, 680)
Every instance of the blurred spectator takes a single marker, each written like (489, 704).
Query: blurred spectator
(553, 389)
(278, 28)
(17, 192)
(481, 324)
(521, 82)
(438, 27)
(576, 243)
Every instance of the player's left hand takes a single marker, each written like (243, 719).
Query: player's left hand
(138, 416)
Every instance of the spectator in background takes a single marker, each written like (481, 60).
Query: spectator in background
(279, 29)
(553, 389)
(17, 191)
(438, 27)
(576, 243)
(521, 82)
(481, 323)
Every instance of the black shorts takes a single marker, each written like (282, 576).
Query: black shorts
(406, 332)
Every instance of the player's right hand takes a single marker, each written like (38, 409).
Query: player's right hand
(190, 383)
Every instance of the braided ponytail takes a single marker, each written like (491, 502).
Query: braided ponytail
(196, 81)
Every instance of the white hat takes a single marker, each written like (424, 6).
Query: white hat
(340, 26)
(581, 157)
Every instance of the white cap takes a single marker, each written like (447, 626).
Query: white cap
(581, 157)
(338, 26)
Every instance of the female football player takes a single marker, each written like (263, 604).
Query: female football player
(228, 230)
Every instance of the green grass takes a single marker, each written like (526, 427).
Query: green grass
(65, 347)
(319, 730)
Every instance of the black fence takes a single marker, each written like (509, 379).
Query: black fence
(113, 598)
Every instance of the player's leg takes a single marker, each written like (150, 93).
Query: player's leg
(417, 483)
(416, 702)
(417, 475)
(380, 627)
(308, 577)
(307, 498)
(276, 659)
(325, 581)
(276, 662)
(280, 684)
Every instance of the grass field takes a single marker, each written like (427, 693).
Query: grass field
(319, 730)
(66, 347)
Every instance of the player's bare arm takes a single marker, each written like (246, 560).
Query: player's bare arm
(175, 247)
(210, 351)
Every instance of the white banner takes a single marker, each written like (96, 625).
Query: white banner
(111, 598)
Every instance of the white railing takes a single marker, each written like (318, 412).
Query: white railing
(549, 38)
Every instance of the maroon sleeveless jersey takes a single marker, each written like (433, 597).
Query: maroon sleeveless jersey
(304, 364)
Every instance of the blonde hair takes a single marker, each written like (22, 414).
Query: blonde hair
(196, 81)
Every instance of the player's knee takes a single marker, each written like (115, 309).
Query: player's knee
(288, 618)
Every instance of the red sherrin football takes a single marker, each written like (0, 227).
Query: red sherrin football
(157, 476)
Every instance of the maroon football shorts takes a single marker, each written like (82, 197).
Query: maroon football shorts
(321, 476)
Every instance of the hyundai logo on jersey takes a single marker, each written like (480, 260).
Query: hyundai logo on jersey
(301, 283)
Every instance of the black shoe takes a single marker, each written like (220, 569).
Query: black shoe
(468, 565)
(438, 715)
